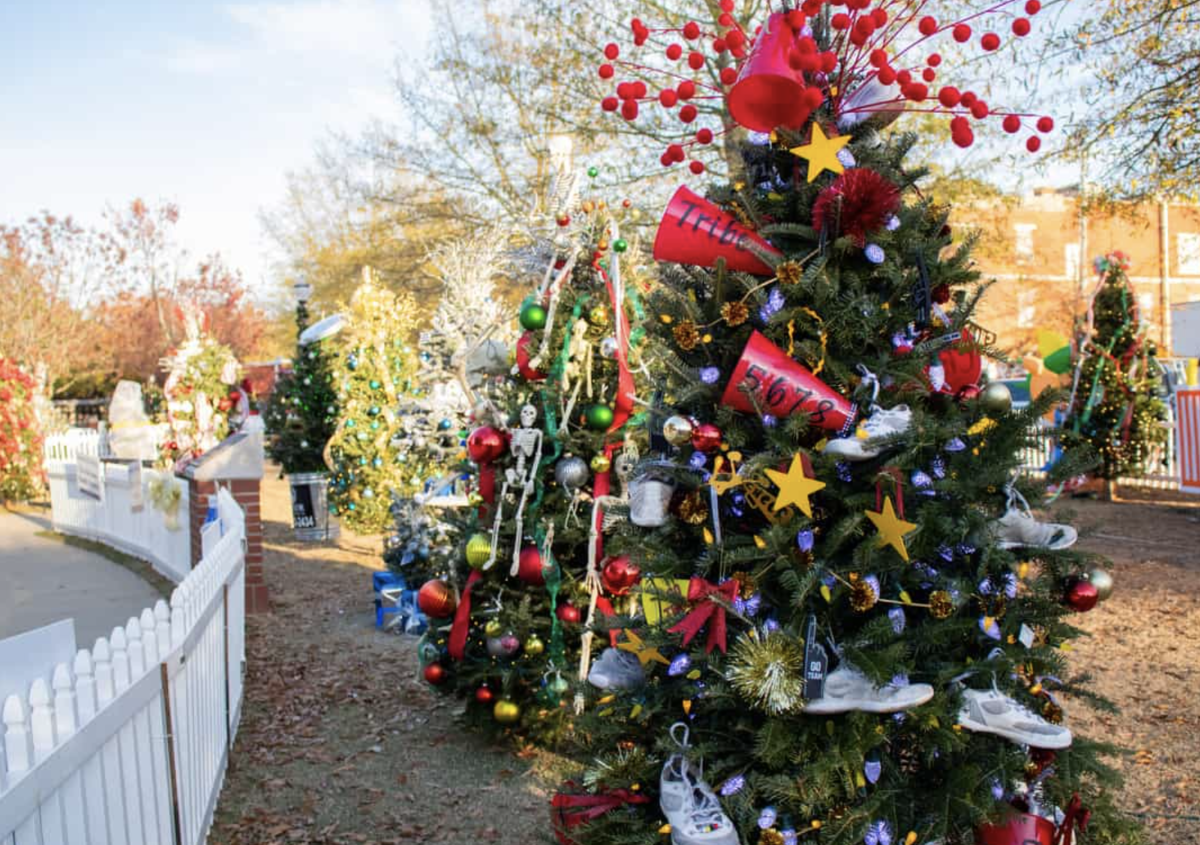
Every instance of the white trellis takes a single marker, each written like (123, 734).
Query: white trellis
(129, 744)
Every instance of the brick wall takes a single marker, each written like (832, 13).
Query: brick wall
(246, 494)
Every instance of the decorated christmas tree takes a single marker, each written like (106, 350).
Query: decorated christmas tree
(508, 611)
(204, 402)
(21, 474)
(850, 628)
(369, 453)
(302, 412)
(1116, 411)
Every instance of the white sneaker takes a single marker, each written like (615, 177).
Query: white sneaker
(873, 434)
(689, 804)
(1018, 529)
(616, 669)
(993, 712)
(848, 689)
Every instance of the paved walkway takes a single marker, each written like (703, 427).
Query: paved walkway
(44, 580)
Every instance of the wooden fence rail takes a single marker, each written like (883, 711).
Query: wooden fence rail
(129, 744)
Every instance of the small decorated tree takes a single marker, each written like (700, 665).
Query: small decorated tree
(202, 393)
(1116, 411)
(369, 453)
(21, 475)
(302, 413)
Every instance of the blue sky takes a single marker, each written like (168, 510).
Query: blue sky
(207, 104)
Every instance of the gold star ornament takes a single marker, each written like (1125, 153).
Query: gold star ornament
(637, 646)
(795, 486)
(821, 152)
(891, 528)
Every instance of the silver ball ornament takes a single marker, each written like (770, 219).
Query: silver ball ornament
(1102, 580)
(678, 430)
(608, 347)
(506, 645)
(571, 472)
(996, 398)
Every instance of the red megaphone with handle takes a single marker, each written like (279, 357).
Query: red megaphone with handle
(767, 381)
(694, 231)
(769, 92)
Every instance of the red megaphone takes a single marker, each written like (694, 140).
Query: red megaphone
(1021, 829)
(769, 91)
(694, 231)
(767, 381)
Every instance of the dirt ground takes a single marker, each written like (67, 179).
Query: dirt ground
(341, 742)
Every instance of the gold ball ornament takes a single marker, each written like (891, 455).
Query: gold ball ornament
(534, 645)
(1102, 580)
(479, 549)
(601, 463)
(678, 430)
(506, 712)
(474, 499)
(493, 628)
(598, 316)
(996, 398)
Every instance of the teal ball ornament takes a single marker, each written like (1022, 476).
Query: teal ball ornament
(598, 417)
(533, 316)
(375, 384)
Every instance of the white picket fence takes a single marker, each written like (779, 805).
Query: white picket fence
(66, 445)
(119, 521)
(129, 745)
(1162, 468)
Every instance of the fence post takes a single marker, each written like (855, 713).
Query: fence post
(225, 677)
(168, 720)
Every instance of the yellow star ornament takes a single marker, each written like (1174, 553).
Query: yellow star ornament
(795, 486)
(637, 646)
(891, 528)
(821, 152)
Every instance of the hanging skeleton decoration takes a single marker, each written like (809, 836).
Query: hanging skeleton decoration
(526, 446)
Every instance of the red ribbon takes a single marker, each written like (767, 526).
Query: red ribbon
(573, 809)
(605, 607)
(1075, 815)
(709, 611)
(462, 619)
(625, 391)
(487, 488)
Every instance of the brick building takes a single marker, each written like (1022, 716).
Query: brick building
(1040, 248)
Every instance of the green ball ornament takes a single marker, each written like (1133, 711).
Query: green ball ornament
(533, 316)
(593, 171)
(598, 417)
(620, 245)
(559, 685)
(374, 425)
(479, 549)
(996, 398)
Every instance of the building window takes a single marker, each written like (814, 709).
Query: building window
(1146, 305)
(1072, 261)
(1026, 308)
(1024, 245)
(1189, 254)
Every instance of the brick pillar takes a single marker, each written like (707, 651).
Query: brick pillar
(236, 464)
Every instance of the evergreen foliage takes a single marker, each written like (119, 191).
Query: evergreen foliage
(302, 412)
(1117, 413)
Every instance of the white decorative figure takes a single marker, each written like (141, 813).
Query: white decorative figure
(525, 443)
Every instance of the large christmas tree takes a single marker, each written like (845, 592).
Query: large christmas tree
(508, 610)
(852, 628)
(302, 413)
(1116, 412)
(369, 455)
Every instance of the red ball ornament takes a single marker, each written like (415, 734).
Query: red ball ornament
(436, 599)
(619, 575)
(706, 437)
(962, 33)
(435, 673)
(526, 346)
(1033, 143)
(940, 294)
(484, 694)
(1082, 595)
(990, 41)
(529, 566)
(486, 444)
(967, 393)
(569, 613)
